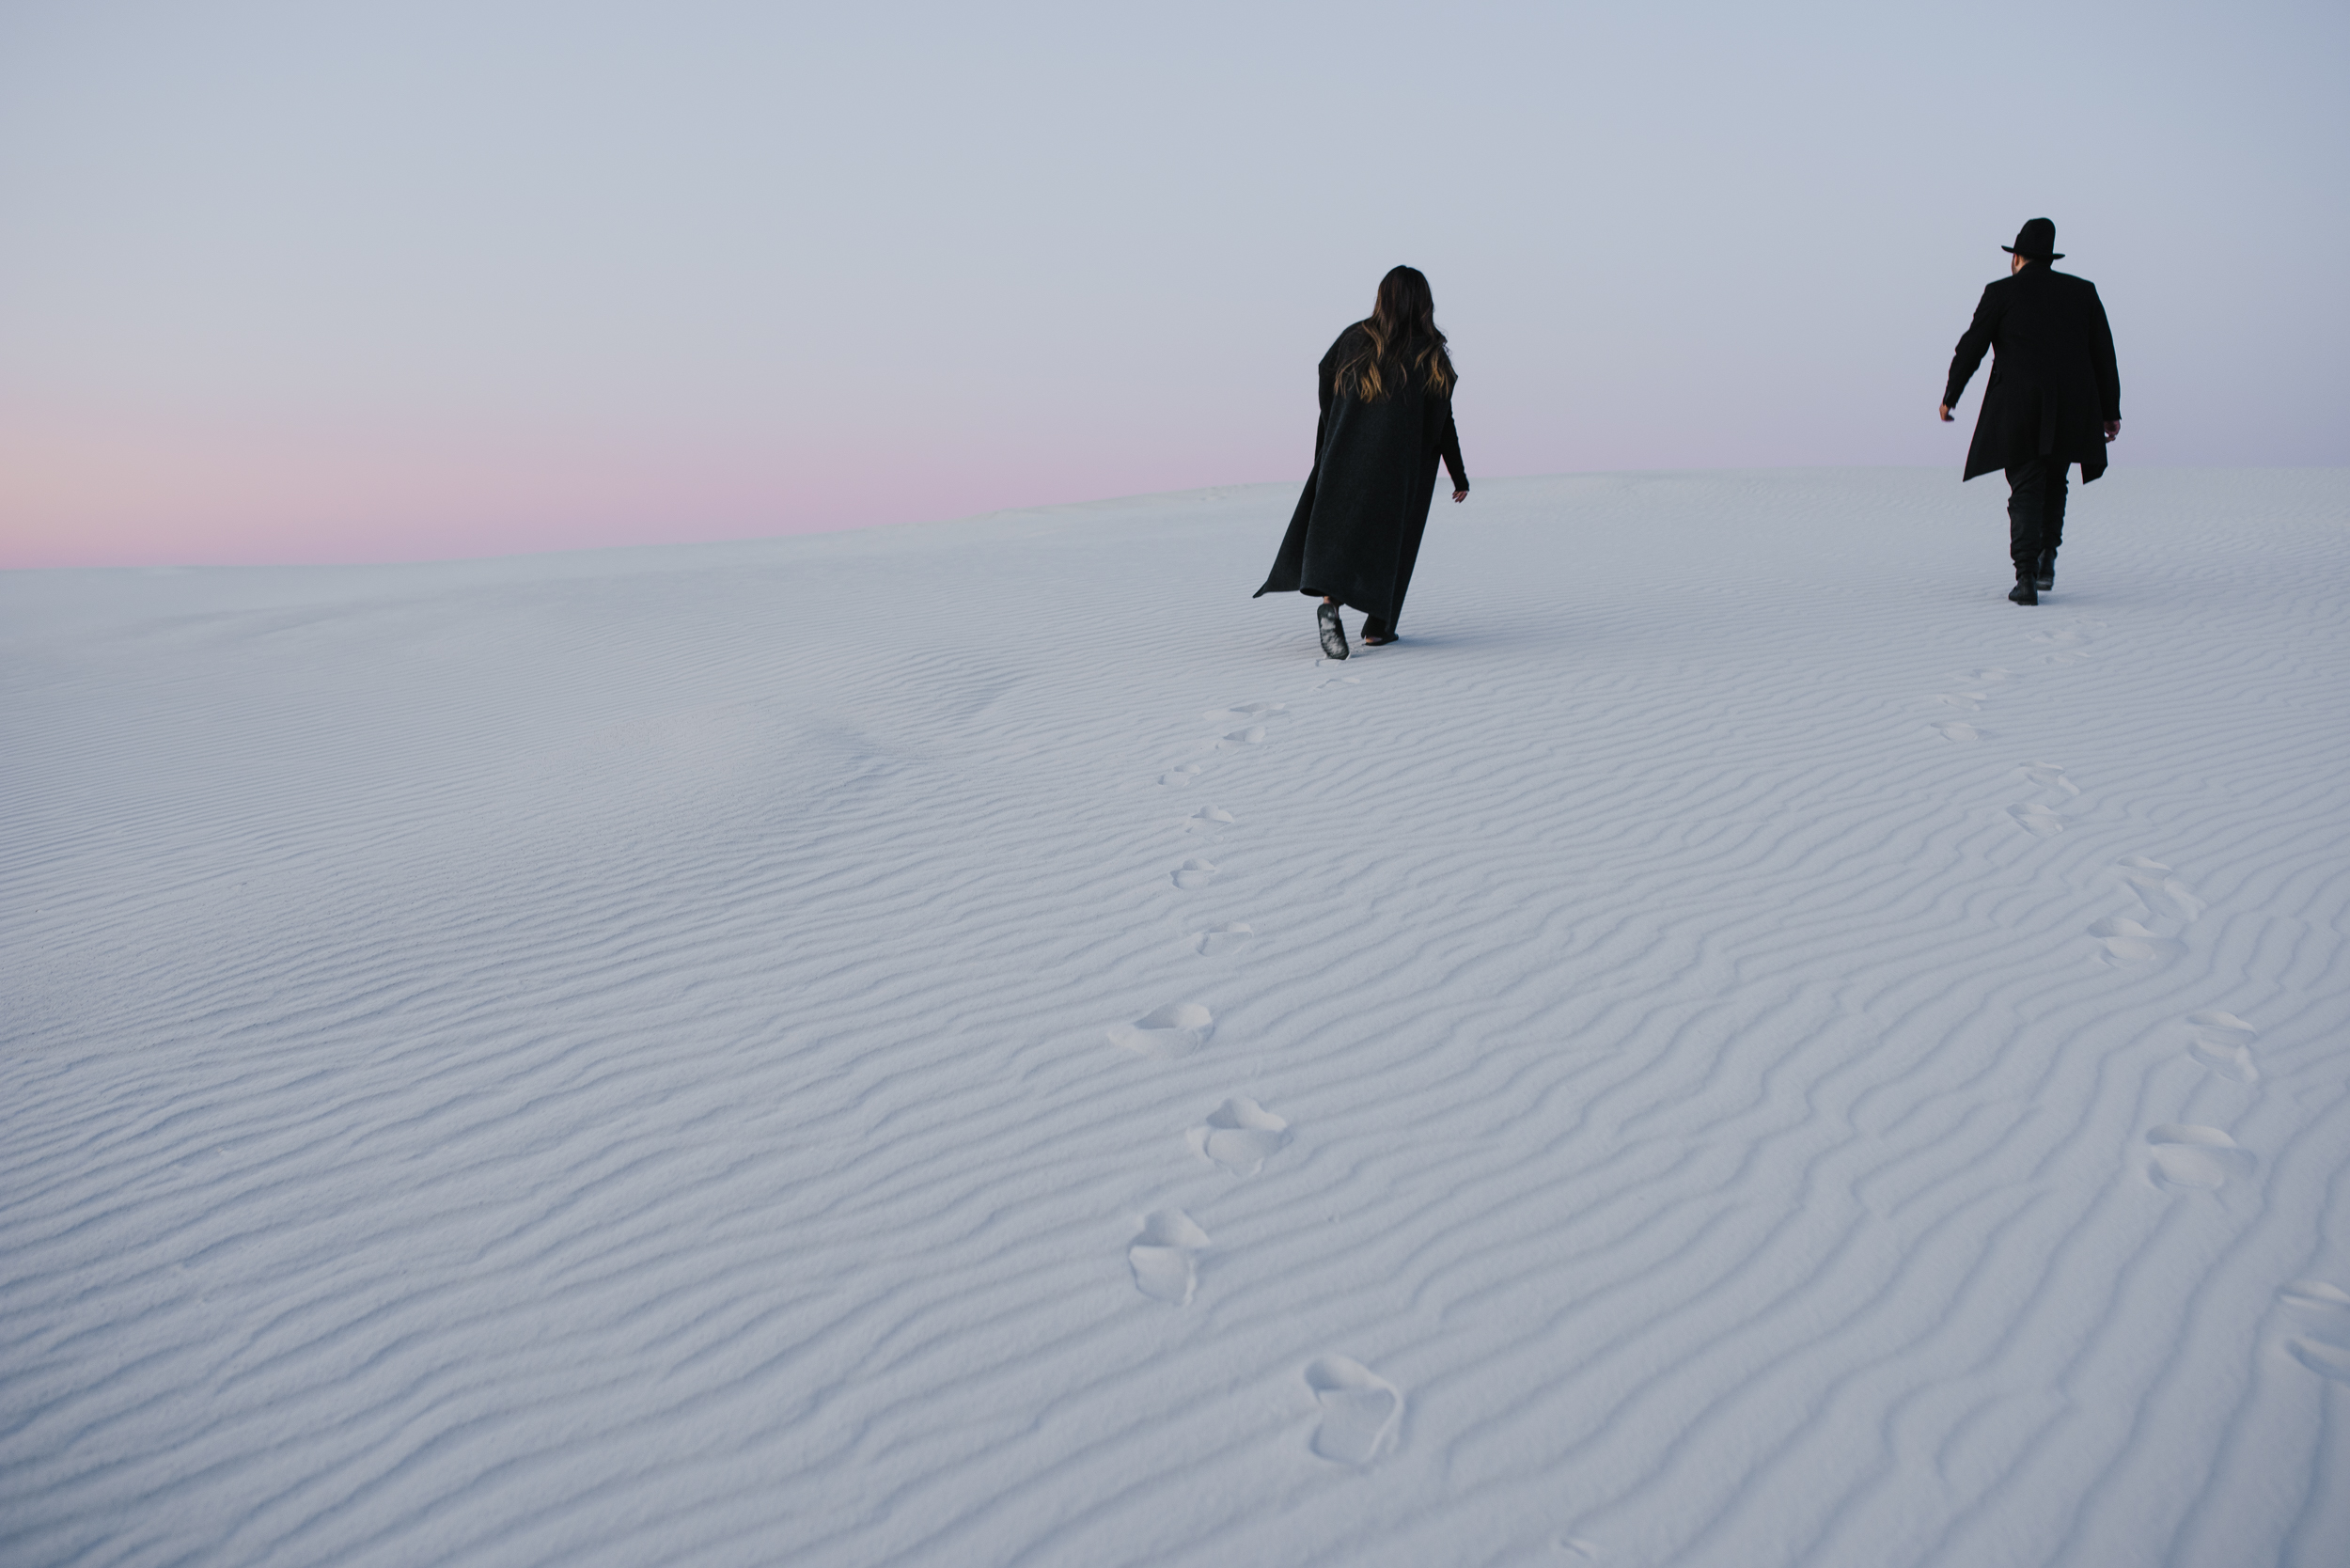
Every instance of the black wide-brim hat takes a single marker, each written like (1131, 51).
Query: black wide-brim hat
(2036, 241)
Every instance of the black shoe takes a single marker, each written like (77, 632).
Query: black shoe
(1376, 633)
(1333, 634)
(2044, 578)
(2025, 591)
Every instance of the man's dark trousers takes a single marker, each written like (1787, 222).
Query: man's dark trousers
(2035, 511)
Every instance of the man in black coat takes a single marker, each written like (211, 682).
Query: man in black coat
(2054, 397)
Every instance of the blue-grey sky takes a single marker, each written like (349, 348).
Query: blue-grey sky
(365, 281)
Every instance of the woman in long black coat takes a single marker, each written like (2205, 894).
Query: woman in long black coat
(1386, 420)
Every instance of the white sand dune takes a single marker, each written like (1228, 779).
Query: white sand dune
(1731, 1044)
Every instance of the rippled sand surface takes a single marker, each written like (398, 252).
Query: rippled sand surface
(1729, 1045)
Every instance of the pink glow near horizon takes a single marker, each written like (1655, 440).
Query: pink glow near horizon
(373, 284)
(172, 496)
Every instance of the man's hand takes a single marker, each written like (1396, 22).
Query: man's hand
(1946, 415)
(1463, 494)
(2113, 427)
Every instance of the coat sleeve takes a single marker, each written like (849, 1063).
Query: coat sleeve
(1972, 344)
(2101, 352)
(1326, 375)
(1452, 449)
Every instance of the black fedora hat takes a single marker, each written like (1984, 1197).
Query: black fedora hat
(2036, 241)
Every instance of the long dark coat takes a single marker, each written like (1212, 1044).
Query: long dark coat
(1355, 534)
(2053, 383)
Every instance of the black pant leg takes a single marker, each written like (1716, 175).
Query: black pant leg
(2052, 513)
(2027, 512)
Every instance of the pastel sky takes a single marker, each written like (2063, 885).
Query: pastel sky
(294, 282)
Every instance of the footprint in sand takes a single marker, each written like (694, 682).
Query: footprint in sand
(1253, 735)
(1361, 1411)
(1167, 1033)
(1183, 773)
(1221, 939)
(2199, 1158)
(2325, 1309)
(2158, 890)
(2037, 820)
(2320, 1357)
(1194, 873)
(1984, 677)
(2127, 943)
(1164, 1256)
(2326, 1306)
(2070, 635)
(2065, 642)
(1241, 1135)
(2223, 1044)
(1242, 713)
(1208, 819)
(2049, 777)
(1969, 701)
(1951, 729)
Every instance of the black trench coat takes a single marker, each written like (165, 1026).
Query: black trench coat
(1355, 534)
(2053, 382)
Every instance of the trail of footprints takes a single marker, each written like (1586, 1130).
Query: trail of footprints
(2124, 941)
(2186, 1157)
(1360, 1414)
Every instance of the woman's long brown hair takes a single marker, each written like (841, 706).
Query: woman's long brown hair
(1400, 339)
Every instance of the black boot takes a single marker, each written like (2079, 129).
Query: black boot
(1333, 634)
(2027, 591)
(2045, 578)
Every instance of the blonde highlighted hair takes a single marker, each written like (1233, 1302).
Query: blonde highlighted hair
(1401, 346)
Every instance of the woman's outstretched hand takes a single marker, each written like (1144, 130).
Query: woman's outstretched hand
(1463, 494)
